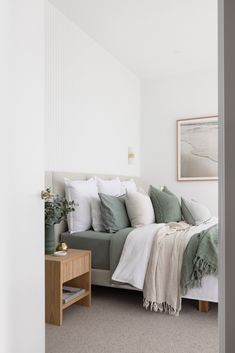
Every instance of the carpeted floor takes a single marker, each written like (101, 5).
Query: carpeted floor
(117, 323)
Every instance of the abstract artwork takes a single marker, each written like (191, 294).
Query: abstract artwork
(197, 148)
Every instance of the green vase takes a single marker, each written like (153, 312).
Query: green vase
(49, 239)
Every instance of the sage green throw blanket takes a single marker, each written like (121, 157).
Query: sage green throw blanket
(200, 258)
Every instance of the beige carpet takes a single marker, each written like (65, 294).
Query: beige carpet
(117, 323)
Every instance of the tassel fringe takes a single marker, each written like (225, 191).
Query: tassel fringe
(201, 268)
(161, 307)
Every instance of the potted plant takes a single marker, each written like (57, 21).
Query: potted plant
(56, 210)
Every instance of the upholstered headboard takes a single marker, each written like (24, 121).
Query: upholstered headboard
(55, 180)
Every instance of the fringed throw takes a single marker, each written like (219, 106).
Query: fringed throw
(161, 307)
(162, 280)
(200, 258)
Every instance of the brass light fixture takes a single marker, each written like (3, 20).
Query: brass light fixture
(131, 155)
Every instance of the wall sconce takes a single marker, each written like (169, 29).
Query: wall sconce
(131, 155)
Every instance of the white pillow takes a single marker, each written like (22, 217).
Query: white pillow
(129, 186)
(111, 187)
(139, 209)
(194, 213)
(81, 192)
(97, 221)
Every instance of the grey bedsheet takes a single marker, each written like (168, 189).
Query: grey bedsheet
(97, 242)
(106, 248)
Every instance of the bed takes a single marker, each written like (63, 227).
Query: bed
(106, 249)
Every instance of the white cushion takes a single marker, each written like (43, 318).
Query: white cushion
(139, 209)
(111, 187)
(129, 186)
(194, 213)
(97, 222)
(81, 192)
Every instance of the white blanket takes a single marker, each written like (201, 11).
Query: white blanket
(136, 252)
(135, 255)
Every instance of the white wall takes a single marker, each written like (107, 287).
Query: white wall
(93, 104)
(163, 102)
(22, 170)
(93, 112)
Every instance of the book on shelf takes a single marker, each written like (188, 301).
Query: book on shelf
(70, 293)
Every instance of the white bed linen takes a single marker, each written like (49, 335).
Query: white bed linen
(134, 259)
(208, 291)
(135, 255)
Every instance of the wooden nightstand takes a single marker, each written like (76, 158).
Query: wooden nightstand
(74, 269)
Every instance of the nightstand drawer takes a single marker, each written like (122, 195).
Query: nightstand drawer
(67, 271)
(81, 265)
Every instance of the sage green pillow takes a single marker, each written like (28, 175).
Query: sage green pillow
(194, 213)
(166, 205)
(114, 213)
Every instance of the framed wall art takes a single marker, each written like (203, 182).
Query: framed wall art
(197, 148)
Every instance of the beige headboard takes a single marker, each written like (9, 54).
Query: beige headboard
(55, 180)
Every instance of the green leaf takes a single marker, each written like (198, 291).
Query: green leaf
(57, 208)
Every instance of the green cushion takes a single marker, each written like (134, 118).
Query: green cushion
(166, 205)
(194, 213)
(114, 213)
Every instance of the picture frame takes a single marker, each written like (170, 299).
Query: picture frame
(197, 149)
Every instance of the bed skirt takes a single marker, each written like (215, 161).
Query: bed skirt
(208, 291)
